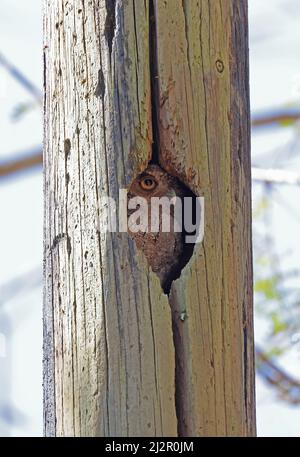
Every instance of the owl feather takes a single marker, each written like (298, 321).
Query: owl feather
(166, 252)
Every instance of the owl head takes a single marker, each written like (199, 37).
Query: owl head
(153, 182)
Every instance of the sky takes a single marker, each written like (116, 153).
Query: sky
(21, 203)
(274, 82)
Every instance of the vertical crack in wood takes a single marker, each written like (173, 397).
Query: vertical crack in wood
(110, 23)
(156, 146)
(153, 82)
(155, 159)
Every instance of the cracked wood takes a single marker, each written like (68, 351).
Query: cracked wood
(118, 360)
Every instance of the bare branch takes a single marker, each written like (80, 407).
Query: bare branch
(21, 78)
(279, 117)
(287, 386)
(21, 163)
(275, 176)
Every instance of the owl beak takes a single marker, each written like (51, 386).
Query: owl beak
(171, 193)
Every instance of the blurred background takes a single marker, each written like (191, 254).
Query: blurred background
(275, 104)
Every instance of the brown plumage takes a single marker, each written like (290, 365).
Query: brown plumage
(165, 251)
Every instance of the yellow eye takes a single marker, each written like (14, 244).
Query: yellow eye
(148, 183)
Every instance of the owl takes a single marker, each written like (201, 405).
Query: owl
(166, 252)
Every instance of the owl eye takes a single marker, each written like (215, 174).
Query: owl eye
(148, 183)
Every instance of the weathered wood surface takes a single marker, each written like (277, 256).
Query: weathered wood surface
(109, 341)
(204, 134)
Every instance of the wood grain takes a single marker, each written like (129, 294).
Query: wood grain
(117, 360)
(204, 139)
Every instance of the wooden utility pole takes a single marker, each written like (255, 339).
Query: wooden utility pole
(127, 81)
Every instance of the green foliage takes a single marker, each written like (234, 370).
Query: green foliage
(267, 287)
(277, 299)
(278, 324)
